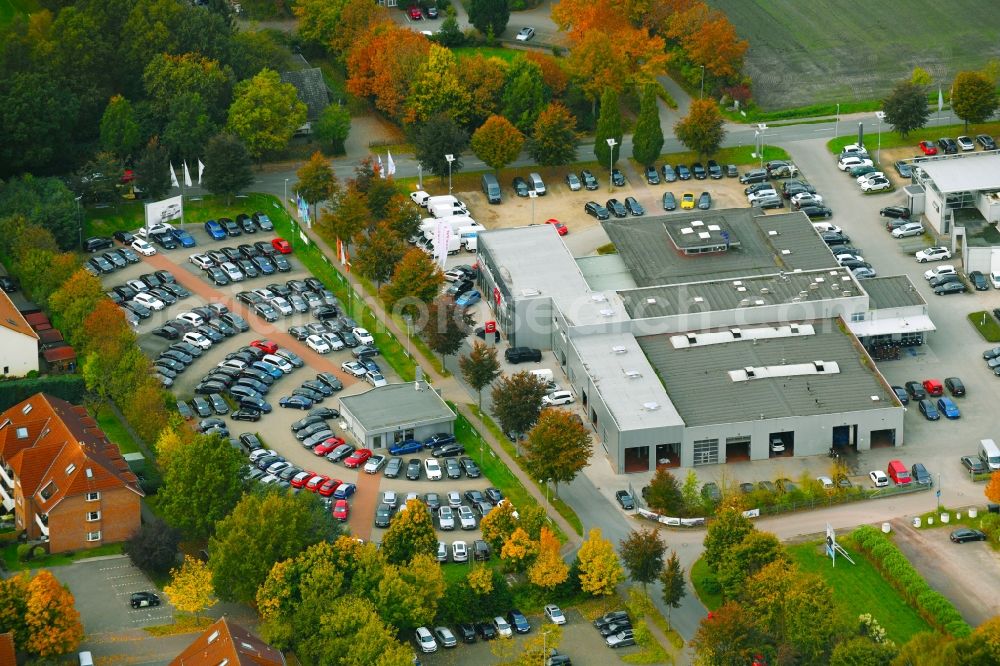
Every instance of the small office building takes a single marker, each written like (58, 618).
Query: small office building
(382, 417)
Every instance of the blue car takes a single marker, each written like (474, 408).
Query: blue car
(408, 446)
(928, 409)
(468, 299)
(269, 368)
(183, 237)
(371, 365)
(344, 491)
(948, 407)
(215, 230)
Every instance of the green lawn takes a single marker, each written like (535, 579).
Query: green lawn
(12, 8)
(116, 431)
(11, 563)
(987, 326)
(738, 155)
(488, 51)
(699, 574)
(859, 588)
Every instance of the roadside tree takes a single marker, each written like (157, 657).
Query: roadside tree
(553, 142)
(415, 284)
(446, 327)
(333, 127)
(642, 552)
(52, 621)
(489, 17)
(410, 533)
(921, 77)
(674, 584)
(480, 368)
(497, 142)
(265, 113)
(153, 546)
(346, 219)
(558, 447)
(189, 127)
(436, 138)
(517, 401)
(548, 570)
(728, 529)
(973, 97)
(906, 107)
(609, 126)
(316, 181)
(992, 489)
(600, 570)
(664, 494)
(227, 166)
(402, 216)
(190, 589)
(647, 139)
(377, 253)
(703, 129)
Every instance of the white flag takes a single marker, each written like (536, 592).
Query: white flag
(381, 169)
(201, 170)
(173, 176)
(940, 100)
(187, 174)
(390, 165)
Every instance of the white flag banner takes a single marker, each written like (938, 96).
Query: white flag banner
(187, 174)
(201, 170)
(390, 165)
(381, 169)
(173, 176)
(940, 100)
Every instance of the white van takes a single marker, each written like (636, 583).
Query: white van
(546, 376)
(86, 659)
(429, 226)
(441, 199)
(989, 454)
(440, 210)
(471, 244)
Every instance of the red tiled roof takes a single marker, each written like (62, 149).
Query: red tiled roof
(8, 656)
(50, 336)
(55, 354)
(226, 641)
(12, 319)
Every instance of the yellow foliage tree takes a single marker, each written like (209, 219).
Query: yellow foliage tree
(498, 525)
(53, 624)
(549, 569)
(480, 580)
(993, 488)
(518, 550)
(600, 570)
(191, 588)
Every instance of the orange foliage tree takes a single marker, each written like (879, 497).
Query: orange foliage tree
(382, 64)
(52, 620)
(484, 79)
(553, 74)
(993, 488)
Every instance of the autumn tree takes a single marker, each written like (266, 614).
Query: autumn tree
(518, 550)
(381, 64)
(497, 142)
(14, 607)
(489, 17)
(73, 302)
(333, 126)
(415, 283)
(317, 181)
(153, 546)
(609, 126)
(673, 582)
(120, 132)
(920, 77)
(401, 216)
(377, 253)
(517, 401)
(51, 620)
(647, 139)
(973, 97)
(537, 649)
(600, 570)
(410, 533)
(480, 367)
(554, 76)
(663, 494)
(407, 595)
(746, 558)
(498, 525)
(347, 219)
(558, 447)
(436, 138)
(642, 552)
(548, 570)
(553, 141)
(992, 489)
(728, 529)
(353, 630)
(728, 636)
(702, 129)
(265, 113)
(485, 79)
(227, 166)
(190, 589)
(862, 651)
(906, 107)
(437, 88)
(597, 64)
(446, 327)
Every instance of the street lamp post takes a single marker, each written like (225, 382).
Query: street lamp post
(878, 151)
(761, 127)
(284, 202)
(450, 158)
(545, 637)
(409, 322)
(836, 126)
(532, 195)
(546, 482)
(611, 163)
(79, 220)
(702, 95)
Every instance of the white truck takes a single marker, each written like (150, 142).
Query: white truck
(447, 209)
(429, 225)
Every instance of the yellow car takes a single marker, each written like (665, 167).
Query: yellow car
(687, 201)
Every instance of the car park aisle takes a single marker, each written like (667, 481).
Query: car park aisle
(363, 505)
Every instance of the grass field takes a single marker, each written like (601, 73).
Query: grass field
(11, 8)
(488, 51)
(116, 432)
(806, 53)
(987, 326)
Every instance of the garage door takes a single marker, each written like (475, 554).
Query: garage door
(706, 452)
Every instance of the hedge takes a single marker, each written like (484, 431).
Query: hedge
(68, 387)
(887, 558)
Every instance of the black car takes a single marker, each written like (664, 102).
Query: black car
(698, 170)
(618, 178)
(246, 223)
(589, 180)
(714, 170)
(520, 186)
(652, 177)
(493, 495)
(817, 212)
(518, 621)
(413, 469)
(167, 332)
(955, 386)
(201, 407)
(668, 173)
(217, 276)
(383, 514)
(669, 201)
(522, 354)
(330, 380)
(470, 467)
(325, 412)
(474, 497)
(610, 618)
(754, 176)
(683, 172)
(625, 499)
(704, 201)
(903, 169)
(97, 243)
(732, 171)
(897, 212)
(834, 238)
(947, 146)
(950, 288)
(467, 632)
(634, 207)
(123, 237)
(246, 414)
(986, 141)
(165, 240)
(486, 631)
(916, 390)
(232, 229)
(616, 208)
(901, 395)
(144, 599)
(966, 534)
(978, 281)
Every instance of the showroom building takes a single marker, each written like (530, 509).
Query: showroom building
(384, 416)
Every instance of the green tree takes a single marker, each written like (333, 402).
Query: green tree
(333, 126)
(353, 631)
(410, 533)
(746, 558)
(437, 88)
(402, 216)
(201, 485)
(498, 525)
(702, 129)
(445, 327)
(316, 181)
(407, 596)
(517, 401)
(152, 170)
(642, 552)
(600, 570)
(415, 283)
(45, 203)
(673, 582)
(920, 77)
(973, 97)
(558, 447)
(377, 253)
(279, 526)
(663, 494)
(265, 113)
(906, 107)
(553, 142)
(99, 179)
(489, 17)
(153, 546)
(254, 50)
(120, 132)
(497, 142)
(227, 166)
(647, 139)
(169, 77)
(728, 529)
(450, 34)
(189, 127)
(609, 126)
(862, 651)
(347, 219)
(480, 367)
(524, 95)
(689, 494)
(436, 138)
(37, 122)
(379, 194)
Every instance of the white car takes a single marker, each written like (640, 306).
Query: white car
(332, 339)
(459, 552)
(826, 482)
(363, 336)
(354, 368)
(807, 199)
(503, 629)
(138, 285)
(936, 253)
(943, 269)
(265, 294)
(192, 318)
(446, 518)
(558, 398)
(197, 339)
(375, 379)
(908, 229)
(868, 176)
(824, 227)
(231, 271)
(879, 478)
(425, 639)
(841, 258)
(150, 301)
(233, 363)
(555, 614)
(374, 464)
(466, 519)
(876, 185)
(433, 469)
(317, 344)
(454, 275)
(202, 261)
(761, 194)
(995, 279)
(143, 248)
(851, 161)
(525, 34)
(279, 361)
(965, 143)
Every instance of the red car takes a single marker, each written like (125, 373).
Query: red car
(327, 445)
(327, 488)
(300, 479)
(341, 510)
(281, 245)
(265, 346)
(927, 147)
(358, 458)
(317, 481)
(560, 227)
(415, 14)
(933, 387)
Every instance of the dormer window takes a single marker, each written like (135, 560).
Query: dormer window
(22, 433)
(48, 491)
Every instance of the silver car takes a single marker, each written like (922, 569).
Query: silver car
(446, 518)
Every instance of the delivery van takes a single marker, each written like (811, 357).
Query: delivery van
(491, 188)
(989, 454)
(447, 209)
(898, 473)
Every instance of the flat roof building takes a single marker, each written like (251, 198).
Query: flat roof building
(387, 415)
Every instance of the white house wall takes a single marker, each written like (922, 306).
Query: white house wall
(18, 353)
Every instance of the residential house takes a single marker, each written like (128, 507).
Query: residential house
(226, 643)
(18, 341)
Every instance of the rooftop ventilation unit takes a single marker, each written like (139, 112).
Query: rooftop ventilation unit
(692, 338)
(764, 291)
(598, 298)
(607, 312)
(741, 289)
(530, 292)
(845, 293)
(744, 302)
(813, 286)
(714, 227)
(619, 349)
(737, 283)
(633, 374)
(737, 333)
(820, 280)
(803, 294)
(697, 299)
(704, 235)
(697, 223)
(845, 278)
(786, 252)
(772, 232)
(750, 372)
(834, 273)
(687, 230)
(818, 365)
(794, 328)
(651, 406)
(650, 301)
(758, 302)
(875, 398)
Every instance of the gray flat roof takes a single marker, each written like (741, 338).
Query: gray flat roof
(767, 245)
(967, 172)
(895, 291)
(396, 404)
(607, 271)
(698, 381)
(746, 292)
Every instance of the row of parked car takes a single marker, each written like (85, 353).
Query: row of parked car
(245, 262)
(150, 291)
(950, 146)
(226, 227)
(457, 509)
(502, 626)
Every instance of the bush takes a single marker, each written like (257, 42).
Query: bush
(25, 552)
(711, 585)
(68, 387)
